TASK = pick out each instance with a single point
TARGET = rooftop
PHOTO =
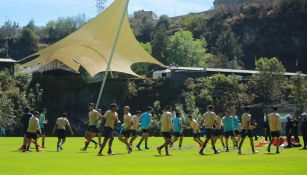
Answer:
(7, 60)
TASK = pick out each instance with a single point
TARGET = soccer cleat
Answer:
(61, 147)
(147, 148)
(240, 152)
(110, 152)
(99, 154)
(58, 150)
(44, 146)
(277, 152)
(38, 150)
(168, 154)
(129, 151)
(83, 149)
(201, 153)
(159, 150)
(180, 148)
(216, 152)
(255, 152)
(138, 147)
(268, 150)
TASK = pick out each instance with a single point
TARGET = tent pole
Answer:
(112, 52)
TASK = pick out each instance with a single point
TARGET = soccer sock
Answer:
(93, 141)
(180, 145)
(43, 143)
(86, 145)
(166, 149)
(145, 144)
(161, 146)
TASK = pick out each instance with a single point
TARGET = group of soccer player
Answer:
(34, 123)
(171, 127)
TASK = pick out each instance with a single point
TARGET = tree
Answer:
(27, 42)
(186, 51)
(227, 45)
(269, 80)
(142, 68)
(298, 94)
(12, 99)
(160, 39)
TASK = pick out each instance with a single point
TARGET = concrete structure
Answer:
(141, 14)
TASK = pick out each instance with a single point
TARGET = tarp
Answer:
(90, 46)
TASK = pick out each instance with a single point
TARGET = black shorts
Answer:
(209, 133)
(92, 128)
(167, 135)
(275, 133)
(237, 132)
(108, 132)
(218, 132)
(145, 131)
(245, 133)
(61, 133)
(228, 134)
(31, 135)
(196, 135)
(133, 133)
(126, 133)
(177, 134)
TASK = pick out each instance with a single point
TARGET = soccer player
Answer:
(227, 122)
(125, 130)
(304, 132)
(166, 125)
(275, 127)
(267, 132)
(110, 117)
(42, 122)
(93, 117)
(236, 128)
(25, 121)
(246, 130)
(33, 128)
(135, 126)
(209, 118)
(218, 128)
(177, 128)
(60, 125)
(196, 130)
(146, 119)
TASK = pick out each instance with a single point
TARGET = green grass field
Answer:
(71, 161)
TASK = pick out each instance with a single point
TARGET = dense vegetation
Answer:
(222, 37)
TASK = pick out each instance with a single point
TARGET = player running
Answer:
(110, 117)
(246, 130)
(135, 126)
(218, 129)
(166, 125)
(177, 126)
(60, 125)
(196, 130)
(33, 129)
(146, 119)
(227, 122)
(93, 117)
(209, 118)
(25, 121)
(275, 127)
(125, 128)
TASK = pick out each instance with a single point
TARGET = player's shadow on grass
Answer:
(270, 154)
